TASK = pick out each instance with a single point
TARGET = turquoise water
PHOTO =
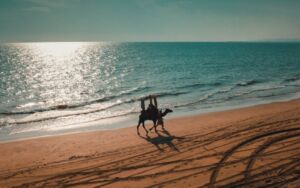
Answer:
(52, 88)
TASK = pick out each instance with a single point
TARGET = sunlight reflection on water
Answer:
(59, 73)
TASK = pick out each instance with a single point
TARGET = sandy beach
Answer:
(83, 82)
(256, 146)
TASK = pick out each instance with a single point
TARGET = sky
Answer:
(149, 20)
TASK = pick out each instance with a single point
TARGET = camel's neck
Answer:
(164, 113)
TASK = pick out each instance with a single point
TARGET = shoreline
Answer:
(189, 150)
(129, 122)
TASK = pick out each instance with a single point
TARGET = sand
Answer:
(256, 146)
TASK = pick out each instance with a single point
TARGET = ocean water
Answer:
(54, 88)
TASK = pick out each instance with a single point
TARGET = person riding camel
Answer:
(151, 107)
(151, 113)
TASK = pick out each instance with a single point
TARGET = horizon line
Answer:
(163, 41)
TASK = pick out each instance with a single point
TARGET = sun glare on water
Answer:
(58, 49)
(56, 71)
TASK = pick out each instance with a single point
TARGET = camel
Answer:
(153, 115)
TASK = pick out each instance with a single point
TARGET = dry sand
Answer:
(250, 147)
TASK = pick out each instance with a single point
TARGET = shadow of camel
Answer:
(163, 138)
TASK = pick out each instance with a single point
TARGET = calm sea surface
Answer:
(53, 88)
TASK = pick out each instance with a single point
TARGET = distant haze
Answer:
(149, 20)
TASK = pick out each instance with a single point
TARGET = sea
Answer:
(66, 87)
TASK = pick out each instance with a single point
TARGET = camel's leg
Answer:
(145, 127)
(137, 128)
(154, 125)
(159, 122)
(162, 123)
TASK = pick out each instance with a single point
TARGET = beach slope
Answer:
(256, 146)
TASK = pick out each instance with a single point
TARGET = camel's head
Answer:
(168, 110)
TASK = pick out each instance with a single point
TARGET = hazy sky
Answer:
(149, 20)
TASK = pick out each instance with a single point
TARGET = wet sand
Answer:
(256, 146)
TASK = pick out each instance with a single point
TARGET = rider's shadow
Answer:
(163, 138)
